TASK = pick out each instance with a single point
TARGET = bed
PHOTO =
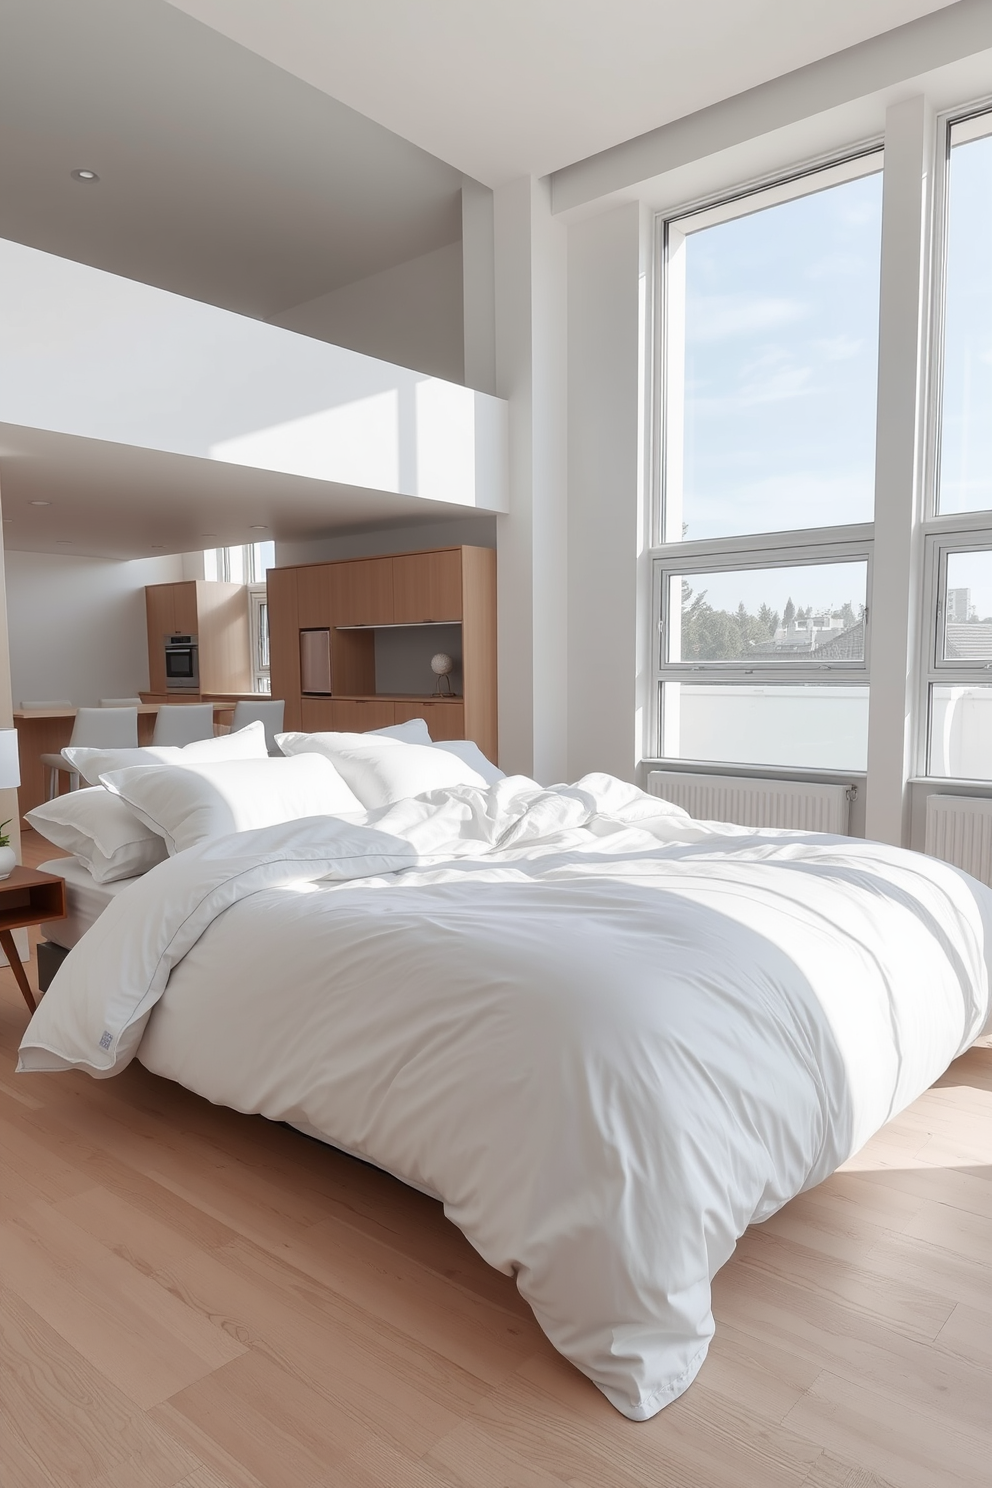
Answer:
(607, 1037)
(85, 900)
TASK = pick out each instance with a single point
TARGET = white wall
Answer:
(479, 532)
(77, 625)
(87, 353)
(605, 537)
(530, 256)
(410, 314)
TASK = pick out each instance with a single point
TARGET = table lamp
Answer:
(10, 779)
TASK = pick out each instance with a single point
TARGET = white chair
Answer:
(56, 703)
(120, 702)
(183, 723)
(98, 728)
(268, 711)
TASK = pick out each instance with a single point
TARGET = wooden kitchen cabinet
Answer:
(284, 643)
(217, 614)
(427, 587)
(351, 598)
(362, 591)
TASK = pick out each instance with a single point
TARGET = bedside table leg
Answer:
(10, 951)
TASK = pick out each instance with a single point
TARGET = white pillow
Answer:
(382, 770)
(247, 743)
(414, 731)
(470, 754)
(101, 830)
(187, 804)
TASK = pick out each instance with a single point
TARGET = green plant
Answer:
(5, 836)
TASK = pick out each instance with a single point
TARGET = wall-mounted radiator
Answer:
(755, 803)
(959, 830)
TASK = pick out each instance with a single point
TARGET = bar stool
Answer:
(98, 728)
(268, 711)
(183, 723)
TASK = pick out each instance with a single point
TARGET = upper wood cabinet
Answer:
(188, 602)
(427, 587)
(362, 591)
(313, 589)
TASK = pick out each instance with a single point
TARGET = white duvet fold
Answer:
(608, 1037)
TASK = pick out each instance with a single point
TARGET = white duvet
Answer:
(607, 1037)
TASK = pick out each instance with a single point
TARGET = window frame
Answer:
(257, 601)
(793, 547)
(948, 532)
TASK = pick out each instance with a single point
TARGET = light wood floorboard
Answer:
(190, 1298)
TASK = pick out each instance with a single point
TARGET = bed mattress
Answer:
(85, 900)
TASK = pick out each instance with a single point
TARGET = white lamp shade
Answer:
(10, 767)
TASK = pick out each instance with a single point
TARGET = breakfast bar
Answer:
(47, 730)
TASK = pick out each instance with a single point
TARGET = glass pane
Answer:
(968, 607)
(236, 565)
(263, 636)
(961, 732)
(818, 726)
(781, 351)
(766, 616)
(966, 425)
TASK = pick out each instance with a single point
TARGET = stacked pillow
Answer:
(145, 804)
(382, 769)
(101, 831)
(247, 743)
(187, 804)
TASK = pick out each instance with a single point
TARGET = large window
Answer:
(762, 570)
(247, 564)
(959, 630)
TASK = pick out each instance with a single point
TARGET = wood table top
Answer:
(145, 708)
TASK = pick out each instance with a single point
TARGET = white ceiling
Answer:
(222, 177)
(503, 88)
(117, 501)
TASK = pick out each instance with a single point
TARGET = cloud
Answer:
(718, 317)
(840, 348)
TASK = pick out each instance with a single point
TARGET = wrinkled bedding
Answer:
(607, 1037)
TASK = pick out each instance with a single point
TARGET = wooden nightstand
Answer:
(27, 897)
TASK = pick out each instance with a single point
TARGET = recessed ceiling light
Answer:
(208, 534)
(157, 545)
(259, 527)
(39, 503)
(84, 175)
(65, 542)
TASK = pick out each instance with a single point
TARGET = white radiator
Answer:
(959, 830)
(755, 803)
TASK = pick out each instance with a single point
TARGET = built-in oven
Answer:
(182, 664)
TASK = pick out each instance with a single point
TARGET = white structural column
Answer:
(8, 798)
(607, 276)
(478, 287)
(899, 466)
(530, 309)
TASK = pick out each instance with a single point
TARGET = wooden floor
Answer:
(189, 1296)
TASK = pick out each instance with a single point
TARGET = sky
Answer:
(966, 431)
(781, 349)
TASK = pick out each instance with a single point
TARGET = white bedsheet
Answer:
(85, 900)
(608, 1037)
